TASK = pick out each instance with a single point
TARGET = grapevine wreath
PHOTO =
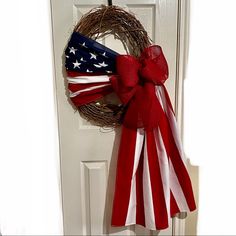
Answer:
(96, 24)
(152, 182)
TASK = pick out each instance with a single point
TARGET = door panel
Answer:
(88, 153)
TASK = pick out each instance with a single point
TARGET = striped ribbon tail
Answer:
(152, 182)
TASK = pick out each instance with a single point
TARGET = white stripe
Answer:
(164, 169)
(169, 178)
(87, 89)
(88, 79)
(159, 97)
(172, 121)
(147, 193)
(131, 214)
(177, 190)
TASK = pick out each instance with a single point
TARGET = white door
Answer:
(88, 154)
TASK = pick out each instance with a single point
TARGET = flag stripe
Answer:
(174, 209)
(88, 79)
(172, 120)
(140, 218)
(177, 161)
(131, 215)
(169, 178)
(78, 87)
(177, 190)
(91, 96)
(161, 215)
(147, 193)
(124, 174)
(164, 168)
(74, 94)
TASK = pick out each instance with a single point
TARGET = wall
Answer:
(29, 162)
(210, 112)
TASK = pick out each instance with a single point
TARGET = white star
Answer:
(98, 66)
(104, 54)
(108, 71)
(67, 56)
(82, 59)
(83, 45)
(93, 56)
(76, 64)
(103, 64)
(72, 50)
(90, 71)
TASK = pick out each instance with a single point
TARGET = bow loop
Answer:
(154, 65)
(135, 85)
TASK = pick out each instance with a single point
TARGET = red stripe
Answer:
(159, 204)
(91, 96)
(75, 74)
(125, 165)
(140, 217)
(168, 99)
(174, 209)
(77, 87)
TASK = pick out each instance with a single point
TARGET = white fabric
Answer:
(131, 215)
(159, 96)
(88, 79)
(147, 193)
(164, 169)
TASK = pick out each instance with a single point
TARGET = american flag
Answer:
(89, 66)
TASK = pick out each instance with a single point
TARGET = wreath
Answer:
(97, 24)
(152, 183)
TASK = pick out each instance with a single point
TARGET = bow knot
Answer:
(135, 86)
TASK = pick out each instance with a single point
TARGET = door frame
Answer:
(183, 19)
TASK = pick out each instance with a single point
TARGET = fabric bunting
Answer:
(152, 182)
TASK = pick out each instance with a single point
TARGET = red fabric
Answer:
(140, 218)
(161, 217)
(90, 96)
(169, 190)
(78, 87)
(135, 86)
(124, 172)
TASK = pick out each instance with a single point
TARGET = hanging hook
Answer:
(109, 2)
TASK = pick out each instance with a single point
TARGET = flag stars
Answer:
(83, 45)
(93, 56)
(103, 64)
(104, 54)
(76, 64)
(67, 56)
(98, 66)
(82, 59)
(72, 50)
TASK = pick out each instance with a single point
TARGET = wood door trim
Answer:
(181, 62)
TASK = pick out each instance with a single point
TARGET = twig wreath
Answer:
(96, 24)
(152, 182)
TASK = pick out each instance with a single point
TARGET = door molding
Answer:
(181, 62)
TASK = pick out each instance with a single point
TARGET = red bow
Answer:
(135, 86)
